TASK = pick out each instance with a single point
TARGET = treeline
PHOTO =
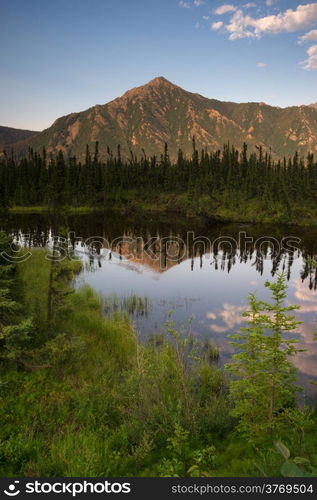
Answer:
(225, 176)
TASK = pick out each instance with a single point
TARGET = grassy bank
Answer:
(82, 396)
(46, 209)
(179, 206)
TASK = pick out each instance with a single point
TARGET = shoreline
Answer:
(224, 216)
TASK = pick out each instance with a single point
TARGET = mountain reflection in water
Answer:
(207, 283)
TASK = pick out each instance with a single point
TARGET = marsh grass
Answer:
(133, 305)
(107, 405)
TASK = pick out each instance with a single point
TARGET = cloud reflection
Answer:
(231, 316)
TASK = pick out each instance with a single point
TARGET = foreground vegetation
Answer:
(226, 185)
(81, 396)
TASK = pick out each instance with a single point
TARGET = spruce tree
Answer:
(263, 388)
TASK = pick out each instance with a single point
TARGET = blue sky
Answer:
(67, 55)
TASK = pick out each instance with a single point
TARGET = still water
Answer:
(192, 271)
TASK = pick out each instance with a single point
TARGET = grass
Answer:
(238, 210)
(97, 402)
(104, 404)
(131, 304)
(45, 209)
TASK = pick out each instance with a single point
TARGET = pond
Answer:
(188, 271)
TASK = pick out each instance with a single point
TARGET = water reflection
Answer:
(205, 282)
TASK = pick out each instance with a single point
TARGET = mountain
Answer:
(148, 116)
(9, 136)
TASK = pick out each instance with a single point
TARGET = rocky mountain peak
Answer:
(159, 112)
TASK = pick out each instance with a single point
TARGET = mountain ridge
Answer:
(144, 118)
(11, 135)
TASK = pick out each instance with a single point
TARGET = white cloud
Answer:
(238, 26)
(186, 4)
(308, 37)
(218, 328)
(242, 26)
(197, 25)
(300, 18)
(217, 25)
(311, 62)
(183, 4)
(206, 18)
(303, 293)
(211, 315)
(231, 316)
(224, 9)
